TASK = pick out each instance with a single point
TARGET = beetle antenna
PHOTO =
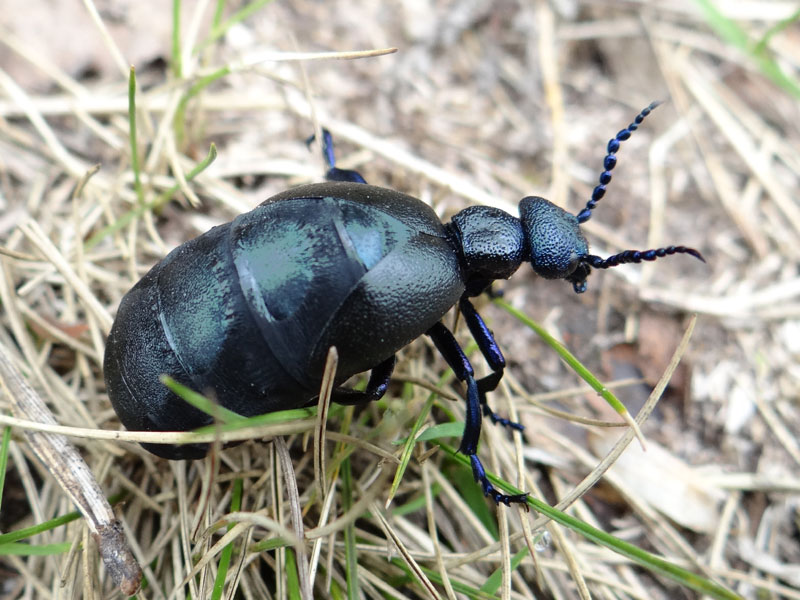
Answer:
(610, 161)
(637, 256)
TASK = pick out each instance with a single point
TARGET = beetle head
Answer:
(557, 248)
(555, 241)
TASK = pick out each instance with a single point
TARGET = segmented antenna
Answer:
(610, 161)
(637, 256)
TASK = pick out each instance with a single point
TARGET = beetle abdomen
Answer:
(188, 318)
(246, 312)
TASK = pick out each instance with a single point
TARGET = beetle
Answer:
(248, 310)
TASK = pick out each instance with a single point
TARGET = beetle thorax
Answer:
(490, 242)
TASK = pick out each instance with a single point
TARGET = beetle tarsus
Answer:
(479, 473)
(498, 420)
(488, 384)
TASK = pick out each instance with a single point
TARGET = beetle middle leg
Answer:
(494, 357)
(447, 345)
(376, 386)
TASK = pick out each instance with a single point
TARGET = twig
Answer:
(73, 475)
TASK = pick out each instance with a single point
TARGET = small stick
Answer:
(72, 473)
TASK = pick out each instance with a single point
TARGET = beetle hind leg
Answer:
(334, 173)
(455, 357)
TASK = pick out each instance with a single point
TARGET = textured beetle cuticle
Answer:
(248, 310)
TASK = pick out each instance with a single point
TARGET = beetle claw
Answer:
(488, 488)
(498, 420)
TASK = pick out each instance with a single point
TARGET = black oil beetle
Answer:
(247, 311)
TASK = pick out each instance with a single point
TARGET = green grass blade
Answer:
(197, 87)
(20, 549)
(443, 430)
(410, 441)
(177, 60)
(473, 497)
(283, 416)
(226, 420)
(200, 402)
(408, 448)
(350, 552)
(218, 14)
(641, 557)
(23, 534)
(495, 580)
(779, 27)
(292, 580)
(415, 503)
(4, 444)
(270, 544)
(734, 35)
(221, 28)
(139, 210)
(436, 577)
(137, 181)
(567, 357)
(227, 551)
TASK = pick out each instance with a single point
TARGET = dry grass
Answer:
(483, 103)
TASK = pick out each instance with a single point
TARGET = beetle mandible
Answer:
(248, 310)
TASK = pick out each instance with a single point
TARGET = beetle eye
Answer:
(574, 261)
(572, 265)
(551, 264)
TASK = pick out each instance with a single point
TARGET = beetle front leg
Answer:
(494, 357)
(448, 347)
(376, 386)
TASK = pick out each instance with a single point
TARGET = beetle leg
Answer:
(376, 387)
(334, 173)
(337, 174)
(491, 352)
(448, 347)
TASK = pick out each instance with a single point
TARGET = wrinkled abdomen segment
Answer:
(187, 318)
(137, 353)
